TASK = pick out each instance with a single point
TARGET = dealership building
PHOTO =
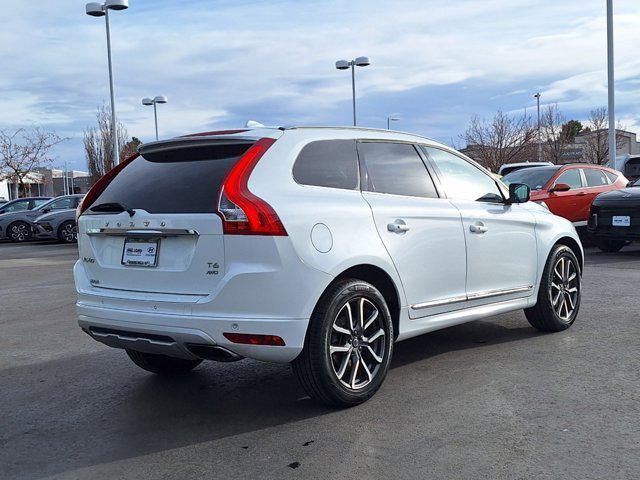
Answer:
(48, 182)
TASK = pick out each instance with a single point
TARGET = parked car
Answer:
(512, 167)
(18, 226)
(568, 190)
(20, 204)
(60, 224)
(316, 246)
(615, 218)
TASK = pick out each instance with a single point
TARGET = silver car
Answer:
(18, 226)
(60, 224)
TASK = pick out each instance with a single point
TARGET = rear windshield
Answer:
(181, 180)
(535, 177)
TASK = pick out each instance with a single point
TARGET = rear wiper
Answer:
(112, 207)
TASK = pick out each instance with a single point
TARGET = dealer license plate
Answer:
(138, 252)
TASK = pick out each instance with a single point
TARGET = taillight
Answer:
(98, 187)
(242, 212)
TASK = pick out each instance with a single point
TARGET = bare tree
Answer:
(595, 144)
(503, 139)
(98, 145)
(556, 136)
(22, 151)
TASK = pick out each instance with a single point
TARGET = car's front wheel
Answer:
(19, 232)
(68, 232)
(559, 294)
(348, 346)
(162, 364)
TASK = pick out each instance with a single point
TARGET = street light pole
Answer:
(154, 101)
(353, 91)
(610, 87)
(352, 64)
(537, 97)
(391, 118)
(114, 130)
(96, 9)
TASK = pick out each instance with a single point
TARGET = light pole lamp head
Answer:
(95, 9)
(160, 99)
(362, 61)
(342, 65)
(393, 118)
(117, 4)
(147, 101)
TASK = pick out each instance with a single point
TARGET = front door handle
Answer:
(399, 226)
(478, 227)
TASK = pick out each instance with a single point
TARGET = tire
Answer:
(162, 364)
(329, 377)
(560, 290)
(68, 232)
(609, 246)
(19, 232)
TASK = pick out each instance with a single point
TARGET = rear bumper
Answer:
(173, 334)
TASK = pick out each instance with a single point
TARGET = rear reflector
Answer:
(253, 339)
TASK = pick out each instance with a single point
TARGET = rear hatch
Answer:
(154, 228)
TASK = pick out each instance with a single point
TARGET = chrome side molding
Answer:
(473, 296)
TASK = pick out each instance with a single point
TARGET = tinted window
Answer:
(328, 163)
(61, 203)
(17, 206)
(464, 180)
(595, 177)
(39, 201)
(571, 178)
(535, 177)
(396, 168)
(180, 180)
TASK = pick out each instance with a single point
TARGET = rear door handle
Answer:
(478, 227)
(399, 226)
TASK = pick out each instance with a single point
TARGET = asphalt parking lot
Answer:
(491, 399)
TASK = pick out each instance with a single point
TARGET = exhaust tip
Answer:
(213, 352)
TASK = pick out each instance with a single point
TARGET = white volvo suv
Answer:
(316, 246)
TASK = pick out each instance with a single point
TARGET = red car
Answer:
(568, 190)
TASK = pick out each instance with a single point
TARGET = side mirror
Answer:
(46, 210)
(560, 187)
(519, 193)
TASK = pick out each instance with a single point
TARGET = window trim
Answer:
(358, 172)
(424, 147)
(364, 174)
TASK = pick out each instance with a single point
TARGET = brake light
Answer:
(98, 187)
(254, 339)
(242, 212)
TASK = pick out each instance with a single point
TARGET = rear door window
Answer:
(17, 206)
(396, 168)
(176, 180)
(328, 163)
(595, 177)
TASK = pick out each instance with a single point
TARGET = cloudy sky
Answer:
(221, 63)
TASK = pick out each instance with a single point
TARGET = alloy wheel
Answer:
(565, 287)
(357, 343)
(70, 233)
(19, 232)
